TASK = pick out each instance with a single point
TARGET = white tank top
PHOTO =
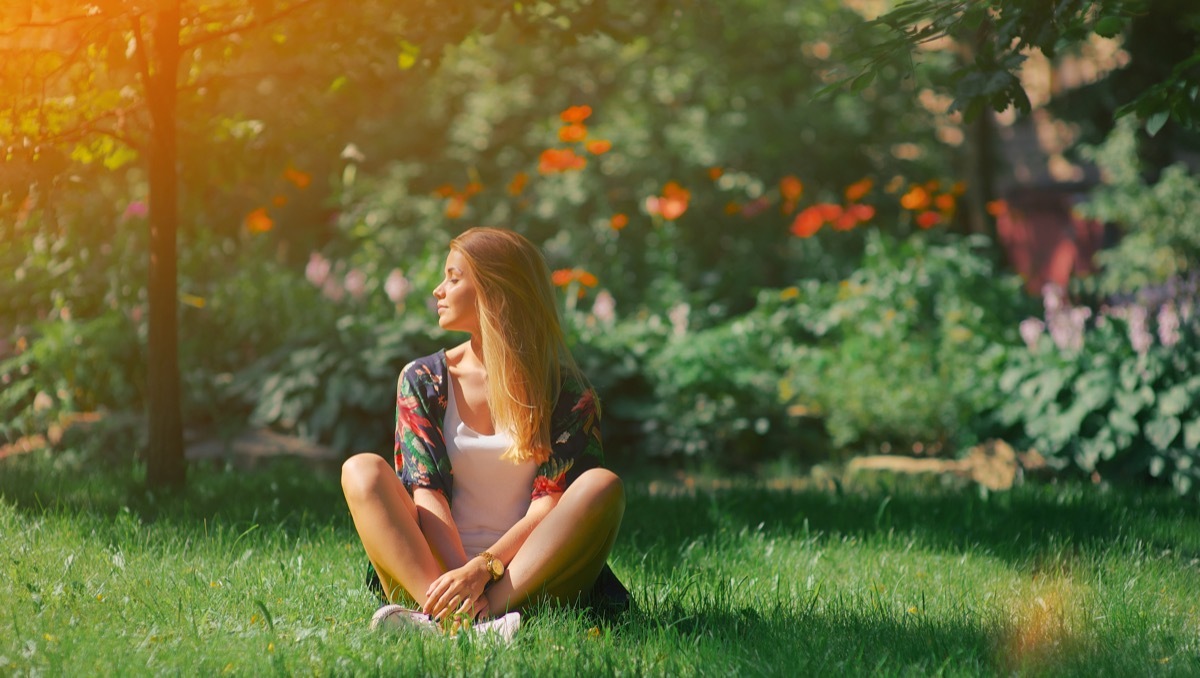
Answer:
(490, 494)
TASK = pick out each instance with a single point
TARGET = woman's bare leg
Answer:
(566, 551)
(386, 520)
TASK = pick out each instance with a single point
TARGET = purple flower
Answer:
(1139, 336)
(1168, 325)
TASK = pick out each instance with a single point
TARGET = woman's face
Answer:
(455, 296)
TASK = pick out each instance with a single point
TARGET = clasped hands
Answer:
(459, 591)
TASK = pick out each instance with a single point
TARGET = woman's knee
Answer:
(603, 488)
(363, 473)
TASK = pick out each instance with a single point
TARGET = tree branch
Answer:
(217, 35)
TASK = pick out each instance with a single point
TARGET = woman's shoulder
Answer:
(426, 370)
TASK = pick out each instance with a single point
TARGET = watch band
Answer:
(490, 562)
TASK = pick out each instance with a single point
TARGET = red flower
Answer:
(928, 219)
(807, 223)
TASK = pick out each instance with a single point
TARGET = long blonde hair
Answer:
(523, 345)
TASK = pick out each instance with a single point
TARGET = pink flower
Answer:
(604, 308)
(1168, 325)
(136, 210)
(356, 284)
(396, 286)
(317, 270)
(1031, 330)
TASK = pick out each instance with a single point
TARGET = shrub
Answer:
(1118, 395)
(906, 349)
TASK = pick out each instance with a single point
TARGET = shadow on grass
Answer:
(285, 494)
(1020, 526)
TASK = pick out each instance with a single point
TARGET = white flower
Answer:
(678, 315)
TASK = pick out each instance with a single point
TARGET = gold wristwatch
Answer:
(494, 567)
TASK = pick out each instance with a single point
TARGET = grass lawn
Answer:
(260, 572)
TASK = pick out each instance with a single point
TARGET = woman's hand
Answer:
(459, 590)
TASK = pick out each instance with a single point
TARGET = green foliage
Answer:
(1161, 240)
(337, 387)
(72, 366)
(905, 350)
(1105, 407)
(996, 35)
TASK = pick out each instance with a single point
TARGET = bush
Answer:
(1118, 395)
(906, 350)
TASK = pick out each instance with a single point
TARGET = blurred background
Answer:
(759, 272)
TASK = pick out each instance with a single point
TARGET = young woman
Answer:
(497, 498)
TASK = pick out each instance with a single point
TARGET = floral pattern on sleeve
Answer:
(420, 452)
(575, 443)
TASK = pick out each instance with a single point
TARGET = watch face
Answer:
(497, 568)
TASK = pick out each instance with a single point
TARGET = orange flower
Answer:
(562, 277)
(732, 208)
(673, 202)
(933, 185)
(572, 133)
(472, 188)
(300, 179)
(859, 189)
(945, 203)
(997, 208)
(599, 146)
(554, 160)
(586, 279)
(845, 221)
(259, 221)
(808, 222)
(576, 114)
(279, 200)
(790, 188)
(618, 221)
(456, 207)
(518, 183)
(928, 220)
(444, 191)
(958, 188)
(916, 199)
(787, 207)
(715, 173)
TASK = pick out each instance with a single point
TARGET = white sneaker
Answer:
(500, 628)
(400, 617)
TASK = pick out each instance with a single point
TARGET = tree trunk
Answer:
(165, 464)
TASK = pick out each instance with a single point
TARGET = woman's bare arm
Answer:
(437, 524)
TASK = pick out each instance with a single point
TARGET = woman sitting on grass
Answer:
(497, 499)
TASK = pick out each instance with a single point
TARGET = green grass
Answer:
(255, 573)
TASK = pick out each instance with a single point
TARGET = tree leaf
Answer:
(1109, 27)
(862, 81)
(1156, 121)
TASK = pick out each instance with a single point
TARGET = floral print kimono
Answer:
(421, 459)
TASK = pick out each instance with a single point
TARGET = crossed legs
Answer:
(558, 561)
